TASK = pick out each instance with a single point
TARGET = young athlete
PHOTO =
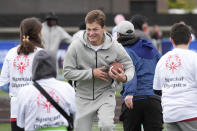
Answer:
(175, 76)
(17, 67)
(35, 112)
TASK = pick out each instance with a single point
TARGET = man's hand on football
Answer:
(100, 74)
(118, 76)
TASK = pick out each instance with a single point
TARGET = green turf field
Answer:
(6, 127)
(3, 94)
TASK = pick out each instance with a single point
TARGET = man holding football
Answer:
(87, 61)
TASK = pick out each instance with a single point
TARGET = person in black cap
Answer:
(51, 19)
(35, 112)
(53, 34)
(140, 23)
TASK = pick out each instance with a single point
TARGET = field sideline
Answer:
(118, 127)
(6, 127)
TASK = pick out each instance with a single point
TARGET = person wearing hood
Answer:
(141, 104)
(86, 62)
(35, 112)
(140, 23)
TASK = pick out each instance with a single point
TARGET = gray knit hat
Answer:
(44, 65)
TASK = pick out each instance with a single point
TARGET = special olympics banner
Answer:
(5, 46)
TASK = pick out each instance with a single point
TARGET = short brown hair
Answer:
(95, 16)
(180, 33)
(29, 35)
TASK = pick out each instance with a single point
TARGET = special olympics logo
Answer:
(173, 62)
(42, 101)
(21, 62)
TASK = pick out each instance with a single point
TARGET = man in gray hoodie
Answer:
(87, 61)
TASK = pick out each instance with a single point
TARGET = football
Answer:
(115, 66)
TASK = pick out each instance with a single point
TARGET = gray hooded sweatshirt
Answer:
(81, 59)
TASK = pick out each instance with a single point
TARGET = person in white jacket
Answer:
(35, 112)
(53, 34)
(17, 67)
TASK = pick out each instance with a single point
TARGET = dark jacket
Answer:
(145, 57)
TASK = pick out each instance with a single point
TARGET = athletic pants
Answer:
(182, 126)
(103, 107)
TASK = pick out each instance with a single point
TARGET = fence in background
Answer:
(5, 45)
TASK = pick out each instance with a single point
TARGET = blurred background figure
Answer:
(53, 34)
(192, 31)
(156, 36)
(156, 32)
(82, 28)
(140, 23)
(193, 34)
(117, 19)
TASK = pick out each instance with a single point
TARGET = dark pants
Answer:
(15, 127)
(147, 112)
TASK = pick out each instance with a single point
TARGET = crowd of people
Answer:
(156, 89)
